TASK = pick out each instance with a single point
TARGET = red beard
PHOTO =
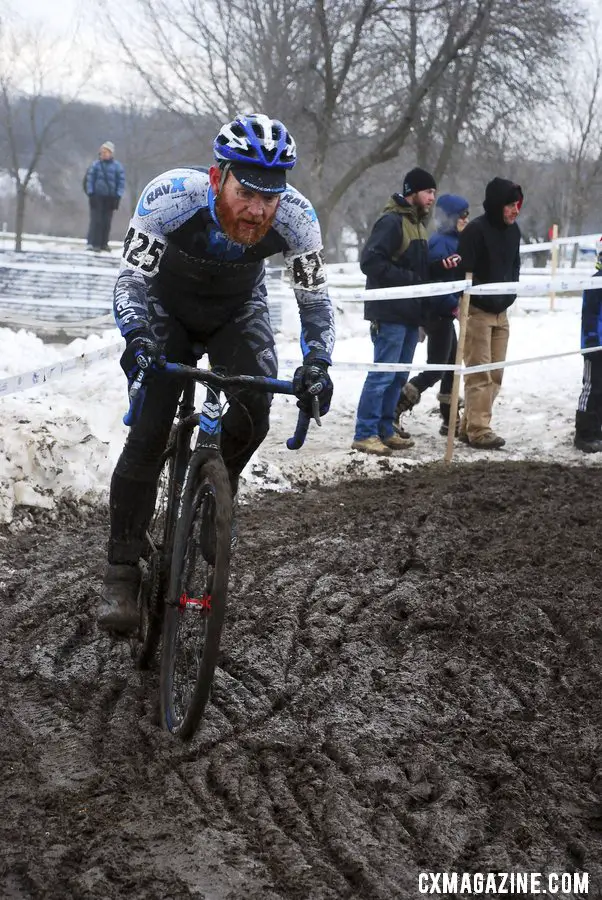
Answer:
(242, 232)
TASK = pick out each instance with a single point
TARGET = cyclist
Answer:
(193, 273)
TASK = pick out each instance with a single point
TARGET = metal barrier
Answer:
(71, 293)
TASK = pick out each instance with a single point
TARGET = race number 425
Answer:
(142, 251)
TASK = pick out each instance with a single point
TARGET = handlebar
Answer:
(259, 382)
(136, 399)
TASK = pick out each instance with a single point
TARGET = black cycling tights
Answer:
(243, 346)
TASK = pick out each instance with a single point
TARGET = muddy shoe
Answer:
(396, 442)
(444, 430)
(119, 613)
(372, 445)
(401, 431)
(489, 441)
(408, 398)
(588, 446)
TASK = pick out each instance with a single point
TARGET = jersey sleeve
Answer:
(298, 224)
(165, 204)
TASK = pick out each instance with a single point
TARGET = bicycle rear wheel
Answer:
(196, 607)
(153, 583)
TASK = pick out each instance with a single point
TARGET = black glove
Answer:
(116, 202)
(142, 354)
(312, 380)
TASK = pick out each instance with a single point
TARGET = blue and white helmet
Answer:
(255, 140)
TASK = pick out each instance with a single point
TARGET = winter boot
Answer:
(591, 446)
(401, 431)
(408, 398)
(444, 409)
(396, 442)
(588, 433)
(488, 441)
(372, 445)
(119, 612)
(444, 429)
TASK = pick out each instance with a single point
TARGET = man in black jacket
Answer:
(489, 247)
(396, 254)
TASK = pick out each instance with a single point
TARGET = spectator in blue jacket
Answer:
(104, 185)
(588, 420)
(451, 216)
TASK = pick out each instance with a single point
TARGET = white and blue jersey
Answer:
(175, 254)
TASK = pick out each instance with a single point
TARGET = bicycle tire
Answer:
(153, 583)
(196, 604)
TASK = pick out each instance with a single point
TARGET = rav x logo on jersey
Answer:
(175, 186)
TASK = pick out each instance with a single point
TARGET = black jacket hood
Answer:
(498, 193)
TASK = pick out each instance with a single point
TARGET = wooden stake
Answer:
(453, 408)
(554, 262)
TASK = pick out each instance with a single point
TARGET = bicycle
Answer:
(186, 561)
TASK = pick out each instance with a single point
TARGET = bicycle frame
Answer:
(208, 421)
(196, 474)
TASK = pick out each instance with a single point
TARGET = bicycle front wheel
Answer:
(196, 607)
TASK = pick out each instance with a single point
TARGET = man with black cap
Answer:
(489, 247)
(396, 254)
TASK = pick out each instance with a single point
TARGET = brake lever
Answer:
(134, 398)
(315, 410)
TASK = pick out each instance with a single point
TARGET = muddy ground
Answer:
(411, 680)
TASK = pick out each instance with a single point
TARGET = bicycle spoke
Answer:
(195, 615)
(153, 576)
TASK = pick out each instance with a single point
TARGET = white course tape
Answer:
(522, 289)
(15, 383)
(446, 367)
(412, 290)
(579, 239)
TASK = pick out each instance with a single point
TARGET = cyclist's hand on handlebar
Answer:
(142, 354)
(312, 380)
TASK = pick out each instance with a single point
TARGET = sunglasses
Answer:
(464, 215)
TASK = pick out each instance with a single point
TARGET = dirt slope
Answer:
(411, 680)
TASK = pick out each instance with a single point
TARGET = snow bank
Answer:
(63, 438)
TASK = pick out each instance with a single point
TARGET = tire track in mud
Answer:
(410, 680)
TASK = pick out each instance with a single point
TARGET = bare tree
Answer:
(32, 72)
(357, 80)
(580, 109)
(149, 135)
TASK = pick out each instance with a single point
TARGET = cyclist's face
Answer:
(245, 215)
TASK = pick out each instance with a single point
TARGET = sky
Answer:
(60, 17)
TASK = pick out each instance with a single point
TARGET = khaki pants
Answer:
(486, 342)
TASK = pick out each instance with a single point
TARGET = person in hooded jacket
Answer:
(489, 248)
(451, 217)
(395, 254)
